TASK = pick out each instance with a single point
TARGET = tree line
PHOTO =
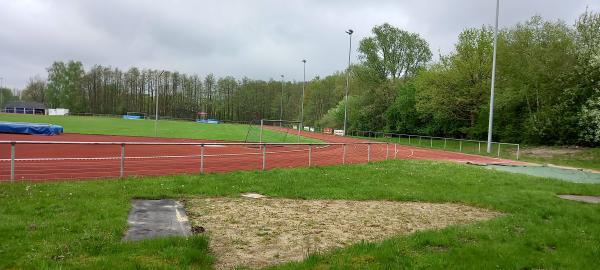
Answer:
(547, 88)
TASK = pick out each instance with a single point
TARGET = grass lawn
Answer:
(72, 225)
(166, 128)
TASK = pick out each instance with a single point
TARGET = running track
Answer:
(72, 161)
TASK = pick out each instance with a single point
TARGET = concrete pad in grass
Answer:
(156, 218)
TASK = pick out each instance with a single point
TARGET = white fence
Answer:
(428, 141)
(47, 160)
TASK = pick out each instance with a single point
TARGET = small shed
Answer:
(24, 107)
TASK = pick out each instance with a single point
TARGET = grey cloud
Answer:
(258, 39)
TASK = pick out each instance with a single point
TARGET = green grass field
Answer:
(73, 225)
(166, 128)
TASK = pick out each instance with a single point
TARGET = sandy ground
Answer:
(549, 152)
(261, 232)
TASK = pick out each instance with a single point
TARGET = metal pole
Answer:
(261, 131)
(309, 155)
(264, 156)
(349, 32)
(344, 154)
(430, 142)
(460, 145)
(202, 158)
(12, 161)
(498, 149)
(281, 103)
(303, 86)
(395, 151)
(445, 143)
(479, 147)
(408, 139)
(369, 152)
(156, 110)
(491, 118)
(518, 149)
(387, 150)
(122, 160)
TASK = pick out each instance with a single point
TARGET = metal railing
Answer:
(285, 154)
(420, 138)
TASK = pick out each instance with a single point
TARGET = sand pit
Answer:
(262, 232)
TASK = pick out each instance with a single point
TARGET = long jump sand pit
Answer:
(267, 231)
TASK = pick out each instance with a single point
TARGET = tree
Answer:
(393, 52)
(64, 87)
(35, 90)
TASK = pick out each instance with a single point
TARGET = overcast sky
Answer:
(257, 39)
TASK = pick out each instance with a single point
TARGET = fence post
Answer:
(420, 140)
(122, 160)
(395, 151)
(202, 158)
(498, 149)
(264, 156)
(518, 150)
(12, 161)
(344, 153)
(409, 139)
(261, 131)
(479, 143)
(387, 150)
(430, 142)
(445, 143)
(460, 145)
(368, 152)
(309, 155)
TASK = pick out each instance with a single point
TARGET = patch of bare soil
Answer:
(261, 232)
(550, 152)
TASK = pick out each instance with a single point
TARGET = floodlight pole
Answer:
(302, 106)
(281, 103)
(156, 111)
(491, 120)
(349, 32)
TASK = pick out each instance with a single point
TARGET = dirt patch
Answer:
(261, 232)
(550, 152)
(581, 198)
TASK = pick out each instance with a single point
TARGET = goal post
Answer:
(282, 131)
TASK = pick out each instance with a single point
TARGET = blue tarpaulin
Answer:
(133, 117)
(30, 128)
(208, 121)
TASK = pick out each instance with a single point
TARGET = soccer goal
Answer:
(280, 131)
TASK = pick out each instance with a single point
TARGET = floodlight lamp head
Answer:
(350, 31)
(303, 60)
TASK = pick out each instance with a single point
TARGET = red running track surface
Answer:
(41, 162)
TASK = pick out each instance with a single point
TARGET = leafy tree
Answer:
(393, 52)
(35, 90)
(454, 89)
(64, 87)
(589, 122)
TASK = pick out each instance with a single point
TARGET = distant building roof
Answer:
(24, 104)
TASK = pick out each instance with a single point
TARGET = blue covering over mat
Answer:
(133, 117)
(30, 128)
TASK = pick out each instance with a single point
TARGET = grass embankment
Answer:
(588, 158)
(72, 225)
(166, 128)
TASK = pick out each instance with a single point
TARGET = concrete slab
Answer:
(156, 218)
(581, 198)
